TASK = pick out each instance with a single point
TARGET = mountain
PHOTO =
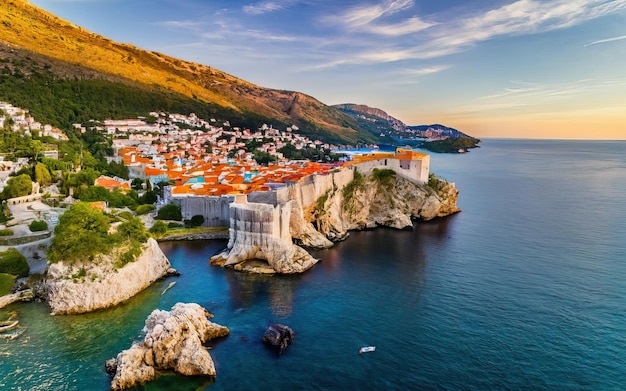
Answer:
(39, 49)
(379, 122)
(436, 132)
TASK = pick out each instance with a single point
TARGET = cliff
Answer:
(95, 284)
(322, 209)
(370, 202)
(173, 341)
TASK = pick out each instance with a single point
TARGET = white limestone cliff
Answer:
(95, 284)
(372, 204)
(173, 341)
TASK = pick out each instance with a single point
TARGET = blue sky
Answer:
(497, 68)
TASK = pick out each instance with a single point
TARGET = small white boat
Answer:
(367, 349)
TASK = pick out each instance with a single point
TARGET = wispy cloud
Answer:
(426, 70)
(181, 24)
(264, 7)
(434, 39)
(368, 19)
(607, 40)
(528, 94)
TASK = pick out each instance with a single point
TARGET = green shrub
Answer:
(195, 221)
(173, 225)
(13, 262)
(169, 212)
(6, 232)
(383, 176)
(6, 283)
(38, 225)
(435, 183)
(348, 191)
(145, 209)
(158, 229)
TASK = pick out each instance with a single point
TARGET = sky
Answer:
(490, 68)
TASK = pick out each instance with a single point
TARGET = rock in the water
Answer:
(279, 336)
(173, 341)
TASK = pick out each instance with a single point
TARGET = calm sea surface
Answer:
(523, 290)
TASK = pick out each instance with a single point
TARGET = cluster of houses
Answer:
(202, 158)
(22, 121)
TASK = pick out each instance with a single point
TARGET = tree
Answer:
(196, 220)
(17, 186)
(36, 146)
(136, 184)
(133, 229)
(13, 262)
(169, 212)
(80, 234)
(42, 175)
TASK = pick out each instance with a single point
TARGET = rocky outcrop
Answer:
(320, 211)
(370, 204)
(261, 232)
(173, 341)
(95, 284)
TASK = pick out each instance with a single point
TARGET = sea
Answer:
(525, 289)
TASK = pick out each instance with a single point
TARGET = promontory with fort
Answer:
(106, 148)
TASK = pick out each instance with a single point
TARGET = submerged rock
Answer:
(173, 341)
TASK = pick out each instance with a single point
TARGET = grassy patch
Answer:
(6, 283)
(383, 176)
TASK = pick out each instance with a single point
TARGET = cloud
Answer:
(181, 24)
(607, 40)
(268, 6)
(540, 93)
(454, 34)
(359, 16)
(426, 70)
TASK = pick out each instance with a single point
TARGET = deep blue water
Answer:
(524, 289)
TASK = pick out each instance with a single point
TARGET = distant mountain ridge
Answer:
(378, 121)
(26, 29)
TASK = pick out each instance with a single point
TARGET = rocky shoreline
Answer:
(263, 232)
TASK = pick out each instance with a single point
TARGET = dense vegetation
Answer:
(14, 263)
(83, 233)
(451, 145)
(356, 184)
(63, 102)
(6, 283)
(17, 186)
(169, 212)
(383, 176)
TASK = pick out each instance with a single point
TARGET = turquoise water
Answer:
(525, 289)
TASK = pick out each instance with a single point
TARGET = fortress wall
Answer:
(215, 210)
(414, 170)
